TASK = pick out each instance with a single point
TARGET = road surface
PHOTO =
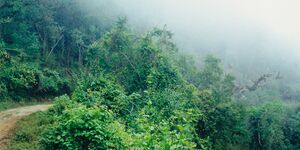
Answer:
(9, 118)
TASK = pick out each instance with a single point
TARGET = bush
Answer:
(266, 127)
(20, 80)
(176, 132)
(4, 57)
(3, 91)
(221, 123)
(163, 76)
(86, 128)
(51, 83)
(98, 91)
(61, 104)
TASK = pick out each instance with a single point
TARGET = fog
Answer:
(250, 36)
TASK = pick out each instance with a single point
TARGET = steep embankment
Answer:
(9, 118)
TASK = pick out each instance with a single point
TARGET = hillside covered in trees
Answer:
(114, 87)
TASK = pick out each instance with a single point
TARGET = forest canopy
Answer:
(113, 87)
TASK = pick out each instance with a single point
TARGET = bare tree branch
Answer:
(132, 65)
(256, 83)
(54, 46)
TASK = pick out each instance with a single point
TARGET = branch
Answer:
(256, 83)
(131, 64)
(54, 46)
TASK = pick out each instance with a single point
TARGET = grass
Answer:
(4, 105)
(28, 131)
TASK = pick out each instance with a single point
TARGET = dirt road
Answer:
(9, 118)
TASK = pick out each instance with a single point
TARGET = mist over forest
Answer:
(251, 37)
(152, 74)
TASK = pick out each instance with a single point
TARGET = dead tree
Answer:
(256, 83)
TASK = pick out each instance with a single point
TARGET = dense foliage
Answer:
(126, 90)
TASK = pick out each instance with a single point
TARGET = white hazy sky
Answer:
(262, 34)
(281, 18)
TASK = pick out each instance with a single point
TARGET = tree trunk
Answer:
(44, 45)
(79, 56)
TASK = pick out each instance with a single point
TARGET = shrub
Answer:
(98, 91)
(163, 76)
(86, 128)
(176, 132)
(3, 91)
(51, 83)
(24, 80)
(20, 80)
(61, 104)
(265, 126)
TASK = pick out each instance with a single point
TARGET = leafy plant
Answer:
(86, 128)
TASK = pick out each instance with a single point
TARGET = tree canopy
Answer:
(115, 88)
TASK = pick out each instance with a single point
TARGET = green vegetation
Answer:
(28, 130)
(119, 89)
(13, 104)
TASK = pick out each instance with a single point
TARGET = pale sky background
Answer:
(264, 33)
(253, 36)
(278, 17)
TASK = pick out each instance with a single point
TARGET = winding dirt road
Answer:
(9, 118)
